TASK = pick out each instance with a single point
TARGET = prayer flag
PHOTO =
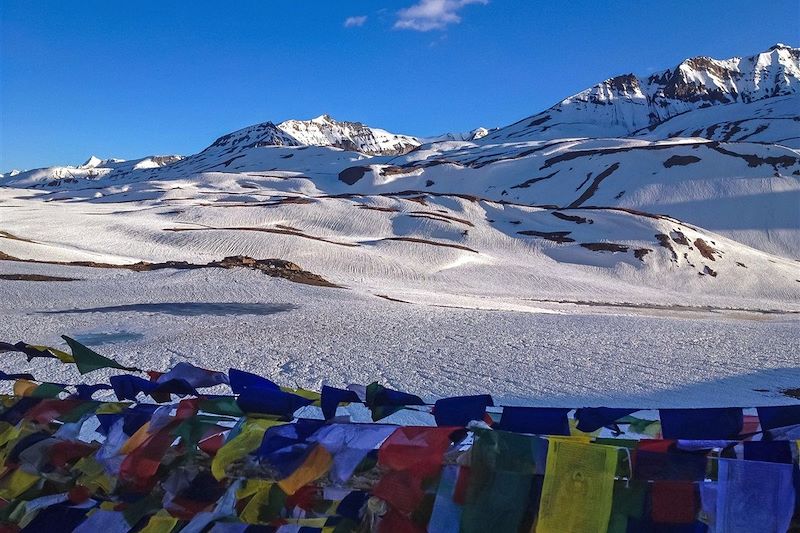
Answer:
(88, 360)
(460, 410)
(700, 424)
(536, 420)
(578, 487)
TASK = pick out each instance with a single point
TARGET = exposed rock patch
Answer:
(34, 277)
(705, 249)
(604, 247)
(664, 240)
(351, 175)
(277, 268)
(555, 236)
(572, 218)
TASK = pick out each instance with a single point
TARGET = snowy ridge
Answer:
(622, 105)
(353, 136)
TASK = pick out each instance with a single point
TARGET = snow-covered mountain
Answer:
(320, 131)
(353, 136)
(622, 105)
(681, 185)
(472, 135)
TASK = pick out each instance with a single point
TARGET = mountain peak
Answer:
(323, 119)
(92, 162)
(625, 104)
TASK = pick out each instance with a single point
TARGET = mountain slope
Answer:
(620, 106)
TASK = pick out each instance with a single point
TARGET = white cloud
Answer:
(352, 22)
(428, 15)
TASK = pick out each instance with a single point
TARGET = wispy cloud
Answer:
(352, 22)
(427, 15)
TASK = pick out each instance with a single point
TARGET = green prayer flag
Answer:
(88, 360)
(502, 468)
(47, 390)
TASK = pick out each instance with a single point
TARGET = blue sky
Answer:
(128, 79)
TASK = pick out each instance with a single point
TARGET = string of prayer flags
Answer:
(265, 458)
(349, 444)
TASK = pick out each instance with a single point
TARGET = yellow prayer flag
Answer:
(136, 440)
(23, 387)
(64, 357)
(315, 466)
(245, 442)
(578, 487)
(250, 487)
(577, 433)
(16, 483)
(160, 524)
(249, 514)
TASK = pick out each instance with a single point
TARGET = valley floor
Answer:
(546, 353)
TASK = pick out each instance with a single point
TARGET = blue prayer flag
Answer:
(537, 420)
(332, 397)
(699, 424)
(459, 410)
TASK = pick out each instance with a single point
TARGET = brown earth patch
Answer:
(604, 247)
(589, 192)
(528, 183)
(376, 208)
(680, 238)
(705, 249)
(681, 160)
(572, 218)
(418, 199)
(34, 277)
(639, 253)
(386, 297)
(351, 175)
(393, 170)
(792, 393)
(663, 240)
(433, 243)
(278, 268)
(429, 217)
(555, 236)
(7, 235)
(442, 215)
